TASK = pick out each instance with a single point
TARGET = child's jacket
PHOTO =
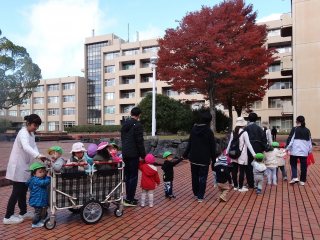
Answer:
(222, 172)
(38, 191)
(167, 168)
(150, 177)
(258, 167)
(280, 155)
(271, 160)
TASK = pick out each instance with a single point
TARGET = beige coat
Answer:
(24, 152)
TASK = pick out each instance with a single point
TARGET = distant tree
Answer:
(216, 49)
(171, 115)
(18, 74)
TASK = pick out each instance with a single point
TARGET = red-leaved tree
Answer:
(218, 51)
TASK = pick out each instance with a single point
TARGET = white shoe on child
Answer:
(243, 189)
(294, 180)
(235, 189)
(38, 225)
(301, 183)
(27, 215)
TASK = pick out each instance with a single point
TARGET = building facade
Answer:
(60, 102)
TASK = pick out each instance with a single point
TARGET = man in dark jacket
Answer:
(201, 152)
(132, 150)
(258, 141)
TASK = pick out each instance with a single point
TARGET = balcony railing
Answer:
(286, 25)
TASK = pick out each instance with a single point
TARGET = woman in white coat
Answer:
(242, 162)
(24, 152)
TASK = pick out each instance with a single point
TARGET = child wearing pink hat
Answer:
(149, 179)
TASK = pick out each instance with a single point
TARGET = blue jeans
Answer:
(168, 188)
(199, 180)
(131, 176)
(294, 169)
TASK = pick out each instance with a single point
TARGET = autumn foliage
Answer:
(218, 51)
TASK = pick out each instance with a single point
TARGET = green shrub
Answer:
(93, 128)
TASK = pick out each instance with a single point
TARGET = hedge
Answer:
(93, 128)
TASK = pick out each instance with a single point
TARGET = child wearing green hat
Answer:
(258, 171)
(38, 184)
(57, 161)
(167, 167)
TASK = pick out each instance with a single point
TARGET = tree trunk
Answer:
(230, 118)
(212, 106)
(239, 111)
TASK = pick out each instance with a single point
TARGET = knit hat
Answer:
(36, 165)
(259, 156)
(55, 149)
(150, 159)
(78, 147)
(275, 144)
(166, 154)
(92, 150)
(102, 145)
(282, 145)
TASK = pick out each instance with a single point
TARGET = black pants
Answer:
(19, 194)
(243, 170)
(131, 176)
(40, 213)
(199, 180)
(234, 173)
(303, 167)
(249, 171)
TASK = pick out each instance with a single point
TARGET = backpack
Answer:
(234, 150)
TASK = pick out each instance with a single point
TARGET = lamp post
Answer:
(153, 61)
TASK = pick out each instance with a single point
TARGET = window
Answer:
(283, 84)
(127, 94)
(53, 99)
(284, 49)
(53, 111)
(283, 124)
(126, 108)
(153, 49)
(69, 111)
(69, 98)
(68, 86)
(111, 55)
(67, 124)
(274, 68)
(53, 87)
(110, 109)
(110, 82)
(12, 113)
(39, 112)
(39, 88)
(130, 52)
(169, 92)
(109, 122)
(38, 100)
(109, 69)
(2, 113)
(256, 105)
(53, 126)
(145, 92)
(26, 101)
(24, 112)
(109, 96)
(278, 102)
(145, 64)
(128, 80)
(273, 32)
(146, 78)
(41, 127)
(128, 65)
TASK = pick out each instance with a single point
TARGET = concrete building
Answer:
(119, 76)
(60, 102)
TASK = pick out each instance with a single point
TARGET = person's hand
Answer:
(41, 157)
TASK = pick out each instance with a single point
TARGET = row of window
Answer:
(130, 52)
(273, 103)
(54, 126)
(54, 99)
(55, 87)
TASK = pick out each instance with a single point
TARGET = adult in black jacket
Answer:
(132, 150)
(201, 152)
(258, 141)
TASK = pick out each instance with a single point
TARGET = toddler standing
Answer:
(272, 164)
(149, 179)
(222, 176)
(281, 161)
(38, 184)
(258, 171)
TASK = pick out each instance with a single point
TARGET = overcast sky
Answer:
(53, 31)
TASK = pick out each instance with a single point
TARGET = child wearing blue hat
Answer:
(223, 176)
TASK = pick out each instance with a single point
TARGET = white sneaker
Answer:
(27, 215)
(38, 225)
(243, 189)
(294, 180)
(12, 220)
(301, 183)
(235, 189)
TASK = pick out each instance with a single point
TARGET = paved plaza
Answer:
(281, 212)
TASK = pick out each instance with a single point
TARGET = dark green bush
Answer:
(93, 128)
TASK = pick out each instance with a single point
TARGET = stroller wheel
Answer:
(50, 224)
(118, 212)
(91, 212)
